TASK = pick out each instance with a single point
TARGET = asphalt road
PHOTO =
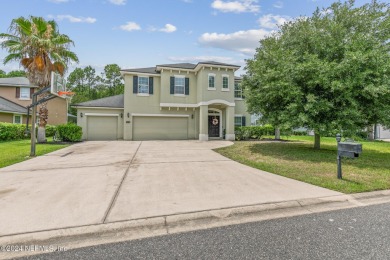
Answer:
(358, 233)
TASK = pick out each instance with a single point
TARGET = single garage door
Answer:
(102, 128)
(160, 128)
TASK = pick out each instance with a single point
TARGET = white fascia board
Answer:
(158, 68)
(203, 103)
(199, 67)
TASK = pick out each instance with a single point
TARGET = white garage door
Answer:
(160, 128)
(102, 128)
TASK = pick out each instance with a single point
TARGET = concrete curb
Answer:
(75, 237)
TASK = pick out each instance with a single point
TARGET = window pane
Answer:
(18, 120)
(179, 85)
(237, 90)
(24, 93)
(143, 85)
(237, 121)
(225, 82)
(211, 82)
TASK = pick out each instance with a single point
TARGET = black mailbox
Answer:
(349, 149)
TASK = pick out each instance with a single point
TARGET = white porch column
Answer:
(203, 123)
(230, 124)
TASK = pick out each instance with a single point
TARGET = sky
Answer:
(136, 34)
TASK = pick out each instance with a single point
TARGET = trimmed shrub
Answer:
(70, 132)
(10, 131)
(253, 132)
(50, 130)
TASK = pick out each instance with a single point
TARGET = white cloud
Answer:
(58, 1)
(130, 26)
(168, 28)
(117, 2)
(73, 19)
(244, 42)
(278, 4)
(238, 6)
(271, 21)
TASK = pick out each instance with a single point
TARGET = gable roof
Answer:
(114, 102)
(9, 106)
(15, 82)
(189, 66)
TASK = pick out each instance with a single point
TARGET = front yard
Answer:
(12, 152)
(296, 159)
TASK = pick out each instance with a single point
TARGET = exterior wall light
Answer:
(128, 115)
(81, 114)
(121, 115)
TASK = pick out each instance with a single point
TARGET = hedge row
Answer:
(253, 132)
(68, 132)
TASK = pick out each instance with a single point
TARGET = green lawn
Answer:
(297, 159)
(12, 152)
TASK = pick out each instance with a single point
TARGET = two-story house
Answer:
(169, 102)
(15, 96)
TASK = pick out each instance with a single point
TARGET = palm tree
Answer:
(41, 49)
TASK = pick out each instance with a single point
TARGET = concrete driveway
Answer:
(101, 182)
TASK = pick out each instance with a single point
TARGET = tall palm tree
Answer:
(41, 49)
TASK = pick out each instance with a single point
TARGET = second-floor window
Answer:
(238, 90)
(225, 82)
(24, 93)
(143, 85)
(179, 85)
(212, 81)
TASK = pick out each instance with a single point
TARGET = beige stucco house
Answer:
(169, 102)
(15, 96)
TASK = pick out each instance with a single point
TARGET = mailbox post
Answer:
(346, 149)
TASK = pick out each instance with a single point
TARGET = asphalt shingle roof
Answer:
(114, 101)
(150, 70)
(189, 66)
(9, 106)
(17, 81)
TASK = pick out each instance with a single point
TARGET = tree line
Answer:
(88, 85)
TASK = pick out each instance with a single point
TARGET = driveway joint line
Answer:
(112, 203)
(181, 162)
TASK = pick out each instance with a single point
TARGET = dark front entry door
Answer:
(214, 122)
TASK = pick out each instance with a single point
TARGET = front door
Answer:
(214, 123)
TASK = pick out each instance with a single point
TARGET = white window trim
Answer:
(24, 98)
(21, 119)
(225, 76)
(142, 94)
(208, 81)
(174, 86)
(242, 93)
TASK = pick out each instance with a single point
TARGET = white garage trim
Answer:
(161, 115)
(97, 114)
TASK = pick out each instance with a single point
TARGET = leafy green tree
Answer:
(38, 45)
(16, 73)
(328, 72)
(3, 74)
(112, 78)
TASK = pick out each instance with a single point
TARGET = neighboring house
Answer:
(382, 133)
(10, 112)
(169, 102)
(19, 91)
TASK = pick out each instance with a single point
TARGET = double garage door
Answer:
(102, 128)
(160, 128)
